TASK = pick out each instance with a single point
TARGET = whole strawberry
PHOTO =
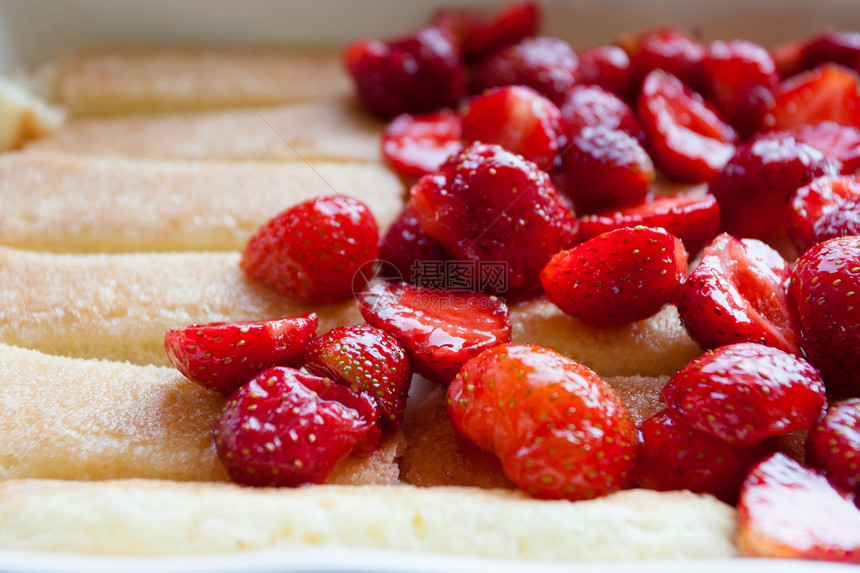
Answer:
(833, 444)
(311, 251)
(559, 430)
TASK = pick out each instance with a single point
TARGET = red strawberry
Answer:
(827, 93)
(517, 220)
(787, 511)
(311, 251)
(608, 67)
(440, 329)
(558, 428)
(619, 277)
(224, 355)
(687, 138)
(823, 289)
(826, 208)
(693, 219)
(590, 106)
(406, 246)
(788, 58)
(547, 65)
(837, 47)
(288, 428)
(674, 456)
(744, 393)
(737, 294)
(669, 49)
(833, 444)
(367, 359)
(419, 144)
(516, 21)
(519, 119)
(840, 142)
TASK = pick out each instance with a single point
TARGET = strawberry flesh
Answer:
(828, 207)
(827, 93)
(416, 145)
(833, 444)
(841, 142)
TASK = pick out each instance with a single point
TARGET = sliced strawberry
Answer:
(516, 21)
(440, 329)
(603, 168)
(224, 355)
(737, 294)
(289, 428)
(687, 138)
(311, 251)
(674, 456)
(519, 119)
(608, 67)
(517, 221)
(619, 277)
(406, 247)
(826, 208)
(840, 142)
(669, 49)
(827, 93)
(416, 145)
(590, 106)
(559, 430)
(367, 359)
(823, 289)
(787, 511)
(833, 444)
(837, 47)
(745, 393)
(693, 219)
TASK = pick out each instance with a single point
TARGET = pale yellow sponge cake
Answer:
(24, 116)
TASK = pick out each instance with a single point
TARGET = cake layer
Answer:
(325, 130)
(70, 203)
(78, 419)
(112, 80)
(168, 518)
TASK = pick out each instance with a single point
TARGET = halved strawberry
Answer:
(440, 329)
(367, 359)
(406, 247)
(826, 208)
(608, 67)
(619, 277)
(419, 144)
(693, 219)
(559, 430)
(841, 142)
(670, 49)
(289, 428)
(790, 512)
(833, 444)
(590, 106)
(222, 356)
(737, 294)
(514, 22)
(829, 92)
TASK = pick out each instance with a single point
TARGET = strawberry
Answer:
(737, 294)
(311, 251)
(494, 208)
(674, 456)
(827, 93)
(787, 511)
(837, 47)
(547, 65)
(367, 359)
(608, 67)
(516, 21)
(559, 430)
(619, 277)
(406, 246)
(590, 106)
(224, 355)
(745, 393)
(841, 142)
(289, 428)
(693, 219)
(823, 288)
(416, 145)
(440, 329)
(826, 208)
(686, 136)
(519, 119)
(833, 444)
(669, 49)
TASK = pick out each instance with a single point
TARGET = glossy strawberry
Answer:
(833, 444)
(406, 247)
(674, 456)
(514, 22)
(827, 93)
(619, 277)
(687, 138)
(737, 294)
(826, 208)
(832, 46)
(591, 106)
(224, 355)
(608, 67)
(289, 428)
(841, 142)
(519, 119)
(823, 289)
(559, 430)
(492, 207)
(440, 329)
(416, 145)
(787, 511)
(367, 359)
(670, 49)
(311, 251)
(693, 219)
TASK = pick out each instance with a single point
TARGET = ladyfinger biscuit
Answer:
(326, 130)
(69, 418)
(114, 80)
(70, 203)
(140, 517)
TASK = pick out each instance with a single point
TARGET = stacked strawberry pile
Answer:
(542, 162)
